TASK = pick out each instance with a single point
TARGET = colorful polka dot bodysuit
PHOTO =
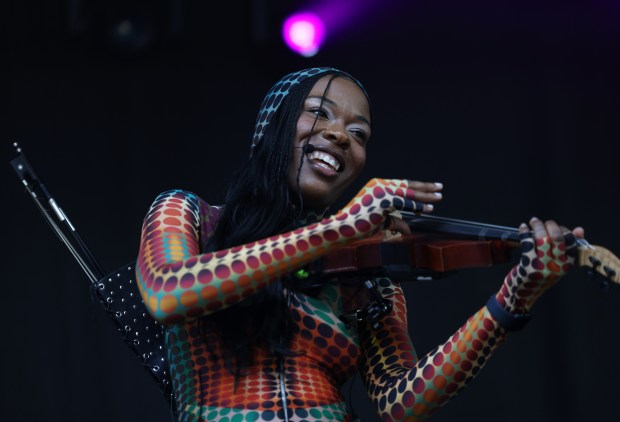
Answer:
(180, 284)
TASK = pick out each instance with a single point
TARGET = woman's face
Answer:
(339, 138)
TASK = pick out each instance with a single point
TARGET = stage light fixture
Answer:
(304, 32)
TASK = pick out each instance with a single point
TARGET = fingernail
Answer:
(439, 185)
(430, 207)
(533, 218)
(438, 194)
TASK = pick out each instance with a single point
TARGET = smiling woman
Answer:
(336, 159)
(250, 336)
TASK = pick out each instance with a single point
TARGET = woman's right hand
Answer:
(370, 209)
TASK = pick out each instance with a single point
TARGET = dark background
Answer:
(512, 105)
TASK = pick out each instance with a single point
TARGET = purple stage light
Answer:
(304, 33)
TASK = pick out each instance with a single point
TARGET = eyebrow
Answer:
(327, 100)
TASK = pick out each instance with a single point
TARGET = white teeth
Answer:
(326, 158)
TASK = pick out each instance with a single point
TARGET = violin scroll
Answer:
(600, 260)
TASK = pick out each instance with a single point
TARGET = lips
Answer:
(324, 159)
(327, 158)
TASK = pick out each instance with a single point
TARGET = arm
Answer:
(402, 386)
(178, 283)
(399, 384)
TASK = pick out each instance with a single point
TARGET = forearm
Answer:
(178, 282)
(418, 388)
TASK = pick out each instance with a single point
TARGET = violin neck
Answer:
(423, 223)
(597, 258)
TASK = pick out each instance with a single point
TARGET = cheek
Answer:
(304, 125)
(360, 161)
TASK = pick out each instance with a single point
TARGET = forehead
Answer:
(343, 91)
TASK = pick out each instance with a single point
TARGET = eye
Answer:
(360, 135)
(318, 111)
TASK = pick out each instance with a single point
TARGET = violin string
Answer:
(415, 216)
(411, 217)
(464, 227)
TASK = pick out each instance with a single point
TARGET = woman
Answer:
(249, 338)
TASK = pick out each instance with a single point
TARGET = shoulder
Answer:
(178, 195)
(182, 196)
(188, 200)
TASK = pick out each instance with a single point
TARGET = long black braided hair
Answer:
(259, 203)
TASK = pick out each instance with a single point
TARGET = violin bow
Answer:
(56, 217)
(117, 291)
(597, 258)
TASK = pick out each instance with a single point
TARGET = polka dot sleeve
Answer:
(179, 283)
(402, 387)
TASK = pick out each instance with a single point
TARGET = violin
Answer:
(439, 246)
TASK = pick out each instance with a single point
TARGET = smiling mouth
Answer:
(325, 160)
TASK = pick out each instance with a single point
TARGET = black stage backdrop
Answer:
(514, 107)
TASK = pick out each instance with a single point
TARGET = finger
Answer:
(524, 231)
(412, 206)
(554, 231)
(419, 191)
(424, 196)
(528, 251)
(424, 191)
(425, 186)
(538, 228)
(579, 232)
(398, 225)
(570, 241)
(569, 236)
(428, 208)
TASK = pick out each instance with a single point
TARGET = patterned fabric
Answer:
(542, 263)
(179, 284)
(281, 89)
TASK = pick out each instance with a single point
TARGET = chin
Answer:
(320, 194)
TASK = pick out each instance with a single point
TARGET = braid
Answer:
(259, 204)
(301, 156)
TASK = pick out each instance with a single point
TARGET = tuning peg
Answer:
(609, 271)
(594, 261)
(594, 273)
(604, 284)
(603, 281)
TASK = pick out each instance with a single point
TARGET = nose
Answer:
(336, 133)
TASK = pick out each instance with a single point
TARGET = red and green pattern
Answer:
(543, 262)
(405, 388)
(180, 284)
(177, 282)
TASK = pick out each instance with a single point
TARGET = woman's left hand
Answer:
(548, 251)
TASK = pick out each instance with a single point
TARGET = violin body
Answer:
(439, 246)
(413, 256)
